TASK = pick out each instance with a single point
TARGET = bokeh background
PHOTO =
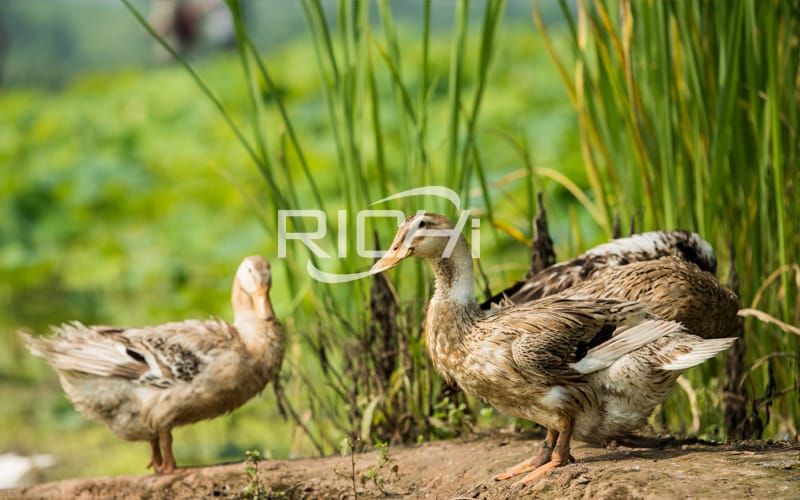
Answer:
(127, 197)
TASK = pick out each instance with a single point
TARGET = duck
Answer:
(143, 382)
(671, 288)
(589, 367)
(648, 246)
(672, 272)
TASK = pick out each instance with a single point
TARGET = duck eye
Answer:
(422, 224)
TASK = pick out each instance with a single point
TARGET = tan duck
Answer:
(142, 382)
(671, 272)
(674, 289)
(642, 247)
(577, 365)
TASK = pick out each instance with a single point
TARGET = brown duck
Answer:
(142, 382)
(653, 245)
(674, 289)
(574, 363)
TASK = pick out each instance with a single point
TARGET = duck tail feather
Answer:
(624, 340)
(73, 349)
(700, 352)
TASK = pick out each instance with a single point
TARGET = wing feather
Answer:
(554, 333)
(158, 356)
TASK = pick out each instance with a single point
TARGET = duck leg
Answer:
(541, 458)
(559, 458)
(155, 455)
(165, 438)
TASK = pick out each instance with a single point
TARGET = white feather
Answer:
(646, 243)
(623, 342)
(651, 244)
(555, 397)
(701, 351)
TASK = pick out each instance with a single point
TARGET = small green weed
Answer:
(373, 474)
(254, 489)
(353, 446)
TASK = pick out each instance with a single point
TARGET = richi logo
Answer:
(309, 238)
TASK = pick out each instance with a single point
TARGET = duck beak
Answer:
(263, 305)
(391, 259)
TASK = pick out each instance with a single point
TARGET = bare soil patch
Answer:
(463, 468)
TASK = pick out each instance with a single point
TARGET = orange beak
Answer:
(391, 258)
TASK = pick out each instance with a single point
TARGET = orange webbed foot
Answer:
(516, 470)
(557, 457)
(556, 461)
(541, 458)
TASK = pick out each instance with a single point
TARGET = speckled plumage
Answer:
(142, 382)
(573, 362)
(684, 245)
(671, 288)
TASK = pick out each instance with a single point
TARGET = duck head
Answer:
(425, 235)
(254, 278)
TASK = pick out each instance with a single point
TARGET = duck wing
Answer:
(674, 289)
(559, 340)
(684, 245)
(158, 356)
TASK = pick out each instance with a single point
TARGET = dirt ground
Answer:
(463, 468)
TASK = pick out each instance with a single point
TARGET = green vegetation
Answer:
(689, 114)
(253, 489)
(129, 200)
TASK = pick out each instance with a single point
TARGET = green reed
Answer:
(688, 117)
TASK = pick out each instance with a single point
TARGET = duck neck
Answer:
(259, 334)
(453, 309)
(256, 332)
